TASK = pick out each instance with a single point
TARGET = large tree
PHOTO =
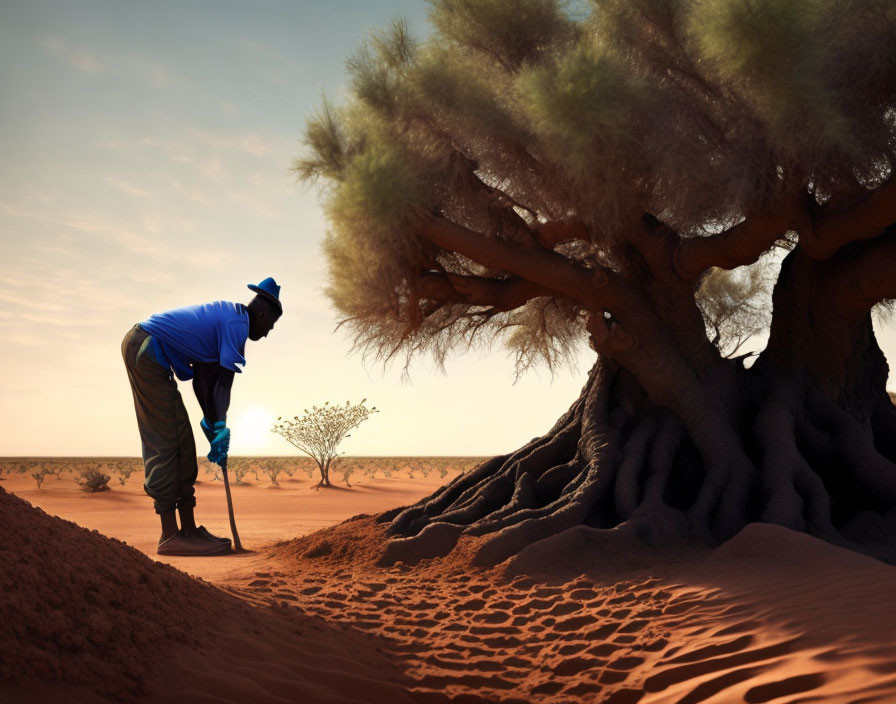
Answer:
(543, 173)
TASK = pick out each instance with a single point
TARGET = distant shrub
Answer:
(93, 480)
(124, 472)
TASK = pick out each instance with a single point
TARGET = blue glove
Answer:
(207, 430)
(220, 443)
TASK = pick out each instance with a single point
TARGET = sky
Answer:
(146, 163)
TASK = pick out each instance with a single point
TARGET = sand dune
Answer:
(771, 616)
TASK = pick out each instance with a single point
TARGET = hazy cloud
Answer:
(80, 59)
(126, 187)
(152, 72)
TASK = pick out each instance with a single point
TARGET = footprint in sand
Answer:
(634, 626)
(546, 592)
(625, 663)
(532, 605)
(569, 667)
(602, 649)
(494, 617)
(576, 623)
(470, 605)
(586, 688)
(583, 595)
(564, 608)
(547, 688)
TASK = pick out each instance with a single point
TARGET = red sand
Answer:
(771, 616)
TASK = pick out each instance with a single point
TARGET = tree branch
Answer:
(861, 221)
(740, 245)
(550, 234)
(500, 294)
(870, 277)
(544, 268)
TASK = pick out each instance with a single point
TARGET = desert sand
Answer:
(91, 614)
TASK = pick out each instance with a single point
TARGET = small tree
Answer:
(240, 467)
(39, 475)
(320, 431)
(347, 469)
(272, 469)
(211, 468)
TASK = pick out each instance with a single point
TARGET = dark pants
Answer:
(169, 451)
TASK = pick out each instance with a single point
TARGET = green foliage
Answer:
(768, 51)
(694, 111)
(586, 103)
(511, 32)
(377, 68)
(325, 140)
(378, 189)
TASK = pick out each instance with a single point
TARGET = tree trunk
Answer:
(805, 438)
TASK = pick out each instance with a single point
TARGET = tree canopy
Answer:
(475, 181)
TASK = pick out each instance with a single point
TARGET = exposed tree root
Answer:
(617, 459)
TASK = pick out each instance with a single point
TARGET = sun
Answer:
(251, 429)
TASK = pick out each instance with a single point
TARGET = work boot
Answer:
(191, 545)
(203, 532)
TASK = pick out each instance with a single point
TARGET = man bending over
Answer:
(205, 343)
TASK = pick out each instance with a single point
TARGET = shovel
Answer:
(236, 538)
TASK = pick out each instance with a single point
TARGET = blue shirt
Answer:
(211, 332)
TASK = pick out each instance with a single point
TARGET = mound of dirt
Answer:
(358, 541)
(86, 609)
(85, 612)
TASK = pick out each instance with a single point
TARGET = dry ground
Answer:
(771, 616)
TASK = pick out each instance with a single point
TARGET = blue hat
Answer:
(270, 290)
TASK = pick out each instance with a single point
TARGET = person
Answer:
(205, 343)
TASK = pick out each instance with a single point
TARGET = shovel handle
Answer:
(236, 537)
